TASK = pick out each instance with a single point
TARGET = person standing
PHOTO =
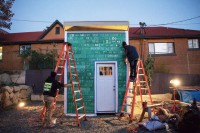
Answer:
(133, 56)
(50, 88)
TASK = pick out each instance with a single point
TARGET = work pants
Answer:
(49, 109)
(133, 72)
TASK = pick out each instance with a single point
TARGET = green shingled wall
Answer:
(88, 48)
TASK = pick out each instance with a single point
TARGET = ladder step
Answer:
(77, 91)
(76, 83)
(78, 99)
(74, 74)
(144, 88)
(128, 105)
(125, 112)
(80, 108)
(129, 96)
(142, 81)
(80, 117)
(72, 66)
(62, 59)
(70, 52)
(71, 58)
(140, 74)
(59, 74)
(60, 66)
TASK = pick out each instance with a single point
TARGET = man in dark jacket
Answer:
(50, 88)
(132, 55)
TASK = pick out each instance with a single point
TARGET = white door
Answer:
(106, 91)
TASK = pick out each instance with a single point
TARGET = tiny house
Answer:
(100, 64)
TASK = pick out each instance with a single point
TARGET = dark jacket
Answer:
(131, 53)
(54, 86)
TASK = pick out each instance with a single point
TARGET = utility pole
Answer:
(142, 33)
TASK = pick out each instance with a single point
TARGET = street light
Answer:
(175, 84)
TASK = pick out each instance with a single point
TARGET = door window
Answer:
(105, 71)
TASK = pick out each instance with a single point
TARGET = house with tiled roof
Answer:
(14, 44)
(174, 50)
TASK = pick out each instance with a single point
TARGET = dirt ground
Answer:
(26, 120)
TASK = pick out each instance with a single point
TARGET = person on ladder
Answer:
(50, 87)
(133, 56)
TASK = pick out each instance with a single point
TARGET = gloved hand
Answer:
(126, 60)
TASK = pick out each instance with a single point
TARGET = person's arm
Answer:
(67, 85)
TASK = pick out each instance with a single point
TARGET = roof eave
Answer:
(165, 37)
(34, 42)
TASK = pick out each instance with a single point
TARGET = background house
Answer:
(14, 45)
(176, 53)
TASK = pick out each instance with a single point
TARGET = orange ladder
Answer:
(140, 84)
(66, 53)
(75, 85)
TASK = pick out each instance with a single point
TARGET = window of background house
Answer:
(24, 48)
(161, 48)
(1, 52)
(57, 30)
(193, 43)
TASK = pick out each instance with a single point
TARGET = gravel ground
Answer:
(26, 120)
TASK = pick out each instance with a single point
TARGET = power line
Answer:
(177, 21)
(38, 21)
(174, 23)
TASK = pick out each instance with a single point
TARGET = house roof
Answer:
(50, 28)
(23, 37)
(30, 37)
(162, 32)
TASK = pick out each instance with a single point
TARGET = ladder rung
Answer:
(75, 83)
(142, 81)
(71, 58)
(129, 96)
(80, 108)
(59, 74)
(125, 112)
(74, 74)
(80, 117)
(60, 66)
(128, 105)
(144, 88)
(72, 66)
(77, 91)
(139, 68)
(140, 74)
(70, 52)
(78, 99)
(62, 59)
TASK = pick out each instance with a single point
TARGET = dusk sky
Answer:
(36, 15)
